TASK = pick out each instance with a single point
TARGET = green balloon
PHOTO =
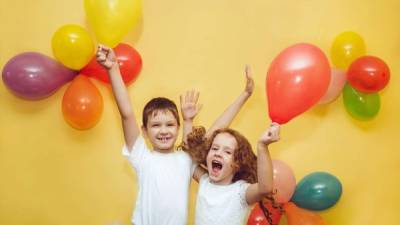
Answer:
(360, 105)
(317, 191)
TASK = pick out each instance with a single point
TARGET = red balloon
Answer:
(257, 216)
(297, 78)
(368, 74)
(129, 61)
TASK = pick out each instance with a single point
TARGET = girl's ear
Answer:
(235, 167)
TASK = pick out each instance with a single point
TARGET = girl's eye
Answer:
(170, 124)
(214, 148)
(155, 125)
(228, 152)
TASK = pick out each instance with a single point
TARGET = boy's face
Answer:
(162, 130)
(220, 159)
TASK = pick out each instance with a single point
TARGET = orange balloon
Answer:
(82, 104)
(299, 216)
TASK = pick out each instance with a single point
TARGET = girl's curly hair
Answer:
(198, 147)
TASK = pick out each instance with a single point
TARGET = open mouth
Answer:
(216, 166)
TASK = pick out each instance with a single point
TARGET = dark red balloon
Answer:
(129, 61)
(257, 216)
(368, 74)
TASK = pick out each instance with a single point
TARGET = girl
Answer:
(229, 186)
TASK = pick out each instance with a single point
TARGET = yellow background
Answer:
(51, 174)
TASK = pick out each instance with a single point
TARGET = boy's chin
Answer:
(165, 148)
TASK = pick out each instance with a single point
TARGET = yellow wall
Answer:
(51, 174)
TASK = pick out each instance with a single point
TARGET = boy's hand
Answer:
(249, 81)
(189, 106)
(271, 135)
(105, 56)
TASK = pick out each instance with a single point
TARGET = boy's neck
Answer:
(164, 151)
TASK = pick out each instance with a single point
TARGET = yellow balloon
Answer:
(347, 47)
(111, 20)
(72, 46)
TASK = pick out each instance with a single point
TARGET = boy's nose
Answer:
(163, 129)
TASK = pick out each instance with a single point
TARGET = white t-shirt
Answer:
(164, 180)
(221, 204)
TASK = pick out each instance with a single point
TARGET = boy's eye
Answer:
(214, 148)
(170, 124)
(155, 125)
(228, 152)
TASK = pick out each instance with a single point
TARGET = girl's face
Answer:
(220, 159)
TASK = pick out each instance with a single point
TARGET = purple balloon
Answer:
(35, 76)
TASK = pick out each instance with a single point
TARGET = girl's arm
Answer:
(255, 192)
(189, 109)
(229, 114)
(106, 57)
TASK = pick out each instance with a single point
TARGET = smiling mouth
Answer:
(163, 139)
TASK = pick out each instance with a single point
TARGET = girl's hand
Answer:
(105, 56)
(249, 81)
(271, 135)
(189, 106)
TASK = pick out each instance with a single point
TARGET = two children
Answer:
(164, 174)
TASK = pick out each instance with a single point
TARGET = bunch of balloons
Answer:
(316, 191)
(301, 77)
(34, 76)
(365, 76)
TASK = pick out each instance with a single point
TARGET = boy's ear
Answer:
(144, 131)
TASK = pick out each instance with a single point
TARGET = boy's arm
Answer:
(264, 187)
(189, 110)
(229, 114)
(106, 57)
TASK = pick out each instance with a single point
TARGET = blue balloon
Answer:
(317, 191)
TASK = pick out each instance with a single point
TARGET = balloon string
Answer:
(275, 205)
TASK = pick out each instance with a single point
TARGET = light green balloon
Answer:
(360, 105)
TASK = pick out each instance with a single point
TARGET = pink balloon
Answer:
(338, 80)
(284, 181)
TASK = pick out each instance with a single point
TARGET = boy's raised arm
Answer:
(106, 57)
(229, 114)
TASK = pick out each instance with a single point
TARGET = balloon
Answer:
(338, 80)
(129, 61)
(360, 105)
(284, 181)
(297, 78)
(299, 216)
(72, 46)
(82, 104)
(34, 76)
(317, 191)
(112, 20)
(257, 216)
(368, 74)
(347, 47)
